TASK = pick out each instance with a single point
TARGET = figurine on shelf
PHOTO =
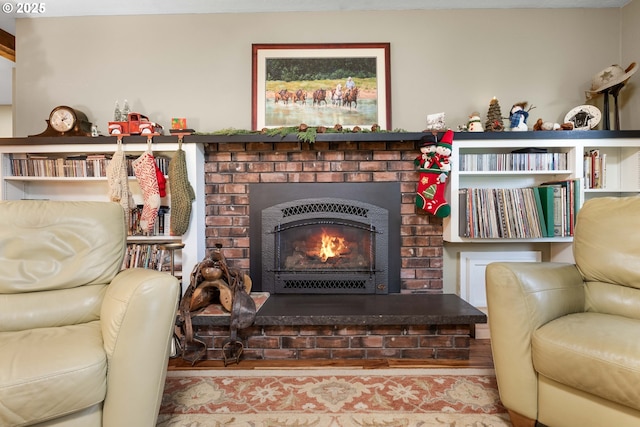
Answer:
(474, 124)
(518, 117)
(435, 122)
(427, 151)
(542, 125)
(494, 121)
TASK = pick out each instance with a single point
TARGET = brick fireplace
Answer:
(231, 167)
(432, 325)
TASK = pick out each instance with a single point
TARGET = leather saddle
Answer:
(213, 281)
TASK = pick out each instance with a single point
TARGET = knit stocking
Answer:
(430, 194)
(145, 169)
(182, 194)
(118, 180)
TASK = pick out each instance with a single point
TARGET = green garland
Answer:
(304, 133)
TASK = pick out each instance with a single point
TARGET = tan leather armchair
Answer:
(81, 342)
(566, 338)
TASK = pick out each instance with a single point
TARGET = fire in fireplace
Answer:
(325, 238)
(325, 246)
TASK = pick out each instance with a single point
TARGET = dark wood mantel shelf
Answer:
(327, 137)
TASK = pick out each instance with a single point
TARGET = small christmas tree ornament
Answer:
(125, 111)
(117, 113)
(434, 172)
(494, 121)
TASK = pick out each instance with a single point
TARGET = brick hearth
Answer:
(300, 342)
(394, 326)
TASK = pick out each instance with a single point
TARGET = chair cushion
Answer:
(606, 244)
(50, 372)
(47, 245)
(593, 352)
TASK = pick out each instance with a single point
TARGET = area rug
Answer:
(398, 397)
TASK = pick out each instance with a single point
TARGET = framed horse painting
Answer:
(345, 84)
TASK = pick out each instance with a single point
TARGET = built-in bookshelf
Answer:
(496, 182)
(39, 168)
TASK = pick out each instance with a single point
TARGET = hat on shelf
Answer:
(427, 140)
(610, 77)
(447, 139)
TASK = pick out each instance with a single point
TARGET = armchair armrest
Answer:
(521, 297)
(137, 317)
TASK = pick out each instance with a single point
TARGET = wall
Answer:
(199, 66)
(6, 121)
(630, 34)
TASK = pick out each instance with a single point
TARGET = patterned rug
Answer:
(332, 398)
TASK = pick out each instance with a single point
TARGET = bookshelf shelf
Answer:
(132, 179)
(515, 173)
(55, 178)
(161, 238)
(606, 191)
(516, 240)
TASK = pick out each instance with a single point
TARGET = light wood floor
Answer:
(480, 357)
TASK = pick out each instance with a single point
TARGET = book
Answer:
(463, 214)
(587, 171)
(544, 231)
(595, 168)
(545, 196)
(555, 214)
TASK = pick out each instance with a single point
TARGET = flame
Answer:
(331, 246)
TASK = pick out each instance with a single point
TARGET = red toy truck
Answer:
(136, 124)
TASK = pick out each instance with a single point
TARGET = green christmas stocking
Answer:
(182, 194)
(430, 194)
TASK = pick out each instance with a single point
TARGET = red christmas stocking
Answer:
(145, 169)
(430, 194)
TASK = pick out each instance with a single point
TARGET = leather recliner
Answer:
(566, 337)
(82, 343)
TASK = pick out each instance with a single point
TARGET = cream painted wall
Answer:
(199, 66)
(630, 47)
(6, 121)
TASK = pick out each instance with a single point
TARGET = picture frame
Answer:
(288, 81)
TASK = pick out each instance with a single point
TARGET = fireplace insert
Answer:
(325, 238)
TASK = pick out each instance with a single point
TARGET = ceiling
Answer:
(63, 8)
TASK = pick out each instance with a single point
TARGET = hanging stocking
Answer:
(118, 180)
(145, 169)
(430, 195)
(433, 179)
(182, 194)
